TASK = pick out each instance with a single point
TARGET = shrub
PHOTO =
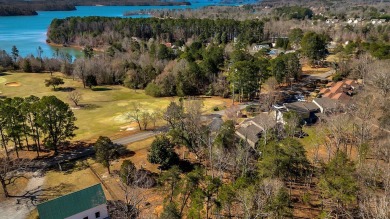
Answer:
(153, 90)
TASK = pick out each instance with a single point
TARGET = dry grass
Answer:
(307, 69)
(152, 196)
(60, 183)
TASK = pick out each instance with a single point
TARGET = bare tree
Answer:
(80, 70)
(75, 97)
(155, 116)
(339, 132)
(232, 113)
(10, 171)
(271, 97)
(380, 76)
(184, 120)
(362, 112)
(362, 66)
(135, 114)
(145, 119)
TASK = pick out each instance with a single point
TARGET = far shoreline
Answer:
(76, 47)
(31, 10)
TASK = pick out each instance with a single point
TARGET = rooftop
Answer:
(264, 120)
(250, 133)
(72, 203)
(326, 103)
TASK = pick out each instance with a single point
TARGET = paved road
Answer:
(136, 137)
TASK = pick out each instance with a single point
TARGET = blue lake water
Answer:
(27, 33)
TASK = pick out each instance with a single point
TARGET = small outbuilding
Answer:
(88, 203)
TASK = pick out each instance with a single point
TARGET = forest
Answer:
(106, 31)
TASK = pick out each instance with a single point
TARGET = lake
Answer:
(27, 33)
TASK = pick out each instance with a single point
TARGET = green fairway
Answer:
(105, 108)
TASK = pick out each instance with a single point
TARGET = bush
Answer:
(153, 90)
(162, 152)
(337, 77)
(216, 108)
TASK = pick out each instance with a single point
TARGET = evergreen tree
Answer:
(162, 152)
(338, 182)
(56, 120)
(314, 46)
(106, 151)
(15, 53)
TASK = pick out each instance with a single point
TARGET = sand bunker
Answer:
(13, 84)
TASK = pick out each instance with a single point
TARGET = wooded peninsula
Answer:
(19, 7)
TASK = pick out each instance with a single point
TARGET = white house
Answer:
(88, 203)
(378, 21)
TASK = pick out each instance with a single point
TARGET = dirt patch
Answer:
(20, 207)
(13, 84)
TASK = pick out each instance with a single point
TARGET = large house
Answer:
(341, 91)
(88, 203)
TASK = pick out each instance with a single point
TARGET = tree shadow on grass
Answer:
(65, 89)
(88, 106)
(126, 153)
(40, 194)
(4, 74)
(101, 89)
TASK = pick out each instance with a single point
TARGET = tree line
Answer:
(99, 31)
(15, 8)
(35, 123)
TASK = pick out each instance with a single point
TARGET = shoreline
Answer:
(20, 9)
(76, 47)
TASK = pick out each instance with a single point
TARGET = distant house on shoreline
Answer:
(88, 203)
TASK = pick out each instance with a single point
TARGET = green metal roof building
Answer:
(88, 203)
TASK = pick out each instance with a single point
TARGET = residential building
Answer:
(332, 21)
(88, 203)
(326, 104)
(252, 129)
(342, 90)
(305, 110)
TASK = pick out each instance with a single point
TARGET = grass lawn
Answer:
(105, 108)
(60, 183)
(307, 69)
(310, 143)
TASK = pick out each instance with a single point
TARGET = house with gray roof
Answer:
(326, 104)
(304, 109)
(88, 203)
(252, 129)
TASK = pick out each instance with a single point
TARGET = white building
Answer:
(88, 203)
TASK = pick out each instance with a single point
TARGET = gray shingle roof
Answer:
(326, 103)
(264, 120)
(250, 133)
